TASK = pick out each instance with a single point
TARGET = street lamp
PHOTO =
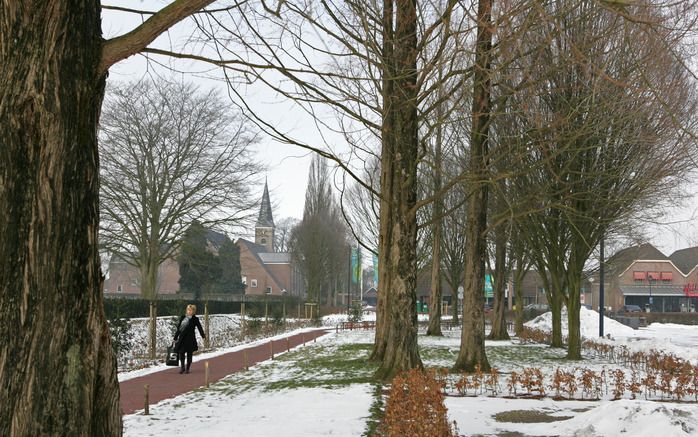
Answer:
(591, 290)
(649, 281)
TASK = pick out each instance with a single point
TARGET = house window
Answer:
(244, 280)
(268, 290)
(639, 277)
(253, 283)
(666, 276)
(264, 241)
(653, 276)
(119, 289)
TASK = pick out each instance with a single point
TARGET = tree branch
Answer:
(121, 47)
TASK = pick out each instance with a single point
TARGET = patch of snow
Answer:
(588, 324)
(296, 412)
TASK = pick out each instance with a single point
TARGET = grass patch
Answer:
(376, 411)
(528, 416)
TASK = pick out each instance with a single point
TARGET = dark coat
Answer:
(185, 341)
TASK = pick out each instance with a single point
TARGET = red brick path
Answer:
(169, 383)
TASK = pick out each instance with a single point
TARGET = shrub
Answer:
(415, 407)
(121, 335)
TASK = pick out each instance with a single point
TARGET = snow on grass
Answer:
(636, 418)
(327, 388)
(324, 388)
(588, 324)
(680, 340)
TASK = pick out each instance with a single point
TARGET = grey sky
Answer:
(288, 165)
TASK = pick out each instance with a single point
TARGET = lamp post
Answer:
(591, 290)
(649, 281)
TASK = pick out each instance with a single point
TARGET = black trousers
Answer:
(181, 358)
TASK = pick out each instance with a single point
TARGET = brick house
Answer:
(123, 277)
(263, 270)
(640, 274)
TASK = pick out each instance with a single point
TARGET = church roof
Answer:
(265, 219)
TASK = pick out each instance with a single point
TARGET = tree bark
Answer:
(574, 338)
(499, 323)
(472, 347)
(57, 367)
(435, 299)
(401, 351)
(387, 132)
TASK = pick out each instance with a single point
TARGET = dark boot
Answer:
(188, 366)
(182, 370)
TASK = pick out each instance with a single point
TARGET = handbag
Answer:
(172, 359)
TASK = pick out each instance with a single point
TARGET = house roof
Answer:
(265, 219)
(216, 238)
(371, 292)
(275, 258)
(624, 258)
(685, 259)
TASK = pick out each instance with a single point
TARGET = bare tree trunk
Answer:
(499, 323)
(401, 352)
(149, 280)
(472, 347)
(57, 367)
(387, 143)
(435, 300)
(518, 292)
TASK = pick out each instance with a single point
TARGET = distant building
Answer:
(636, 274)
(264, 271)
(123, 277)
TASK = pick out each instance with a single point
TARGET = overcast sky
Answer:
(288, 165)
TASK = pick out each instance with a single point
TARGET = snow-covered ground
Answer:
(680, 340)
(326, 388)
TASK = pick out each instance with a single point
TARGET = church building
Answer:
(263, 270)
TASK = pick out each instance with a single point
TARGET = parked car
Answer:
(625, 309)
(487, 308)
(537, 307)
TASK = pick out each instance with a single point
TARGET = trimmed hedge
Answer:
(115, 308)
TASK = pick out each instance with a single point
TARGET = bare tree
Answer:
(319, 242)
(608, 128)
(171, 156)
(282, 234)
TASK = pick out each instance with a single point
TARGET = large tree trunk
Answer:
(387, 143)
(401, 352)
(472, 347)
(57, 367)
(499, 323)
(435, 300)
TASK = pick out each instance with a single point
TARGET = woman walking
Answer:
(185, 337)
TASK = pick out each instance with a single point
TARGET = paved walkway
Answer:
(169, 383)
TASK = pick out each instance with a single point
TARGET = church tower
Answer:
(264, 229)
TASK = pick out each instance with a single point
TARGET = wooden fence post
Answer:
(206, 379)
(271, 348)
(288, 345)
(146, 403)
(244, 358)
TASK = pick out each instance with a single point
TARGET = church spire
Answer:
(265, 219)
